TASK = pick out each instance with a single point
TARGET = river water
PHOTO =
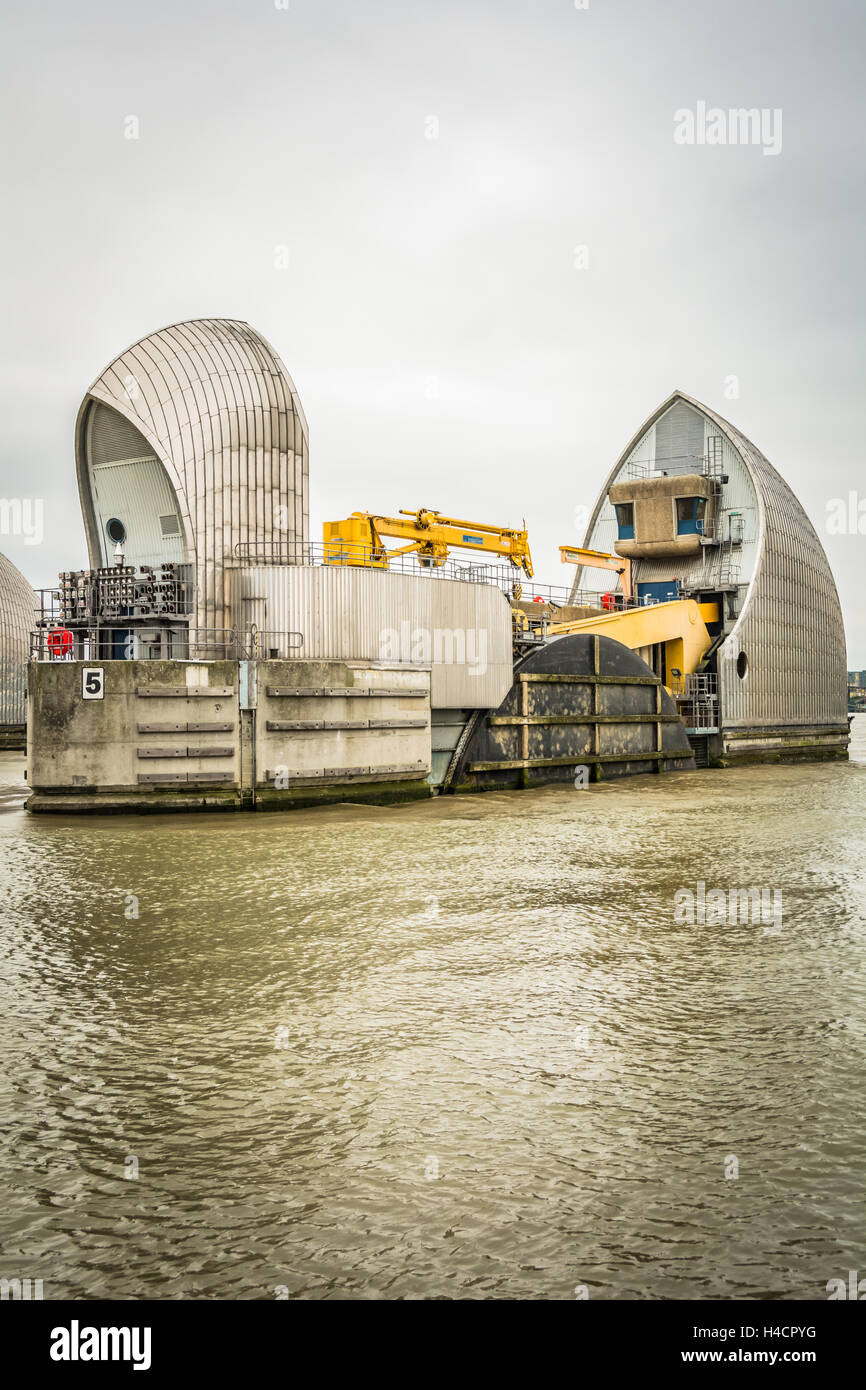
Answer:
(465, 1048)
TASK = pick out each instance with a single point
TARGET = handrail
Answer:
(67, 642)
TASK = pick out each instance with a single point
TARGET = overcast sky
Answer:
(451, 344)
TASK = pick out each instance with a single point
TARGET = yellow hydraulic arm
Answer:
(358, 540)
(681, 624)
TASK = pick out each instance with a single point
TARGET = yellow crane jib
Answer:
(359, 539)
(598, 560)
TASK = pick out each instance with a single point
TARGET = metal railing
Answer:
(710, 464)
(555, 594)
(347, 555)
(713, 529)
(728, 571)
(267, 644)
(697, 698)
(342, 554)
(60, 643)
(612, 601)
(672, 465)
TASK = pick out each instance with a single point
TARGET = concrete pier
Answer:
(138, 736)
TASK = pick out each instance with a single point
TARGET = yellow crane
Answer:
(598, 560)
(358, 539)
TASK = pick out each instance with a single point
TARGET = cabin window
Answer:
(625, 520)
(690, 515)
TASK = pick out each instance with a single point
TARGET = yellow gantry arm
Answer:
(358, 539)
(598, 560)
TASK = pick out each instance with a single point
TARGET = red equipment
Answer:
(60, 641)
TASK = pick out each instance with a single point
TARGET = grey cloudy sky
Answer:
(448, 347)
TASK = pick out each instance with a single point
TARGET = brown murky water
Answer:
(458, 1049)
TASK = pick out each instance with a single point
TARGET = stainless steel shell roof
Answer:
(789, 625)
(17, 603)
(220, 412)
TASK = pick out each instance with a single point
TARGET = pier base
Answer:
(138, 737)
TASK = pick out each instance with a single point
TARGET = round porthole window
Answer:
(116, 531)
(742, 665)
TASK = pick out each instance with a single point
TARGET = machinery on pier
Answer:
(673, 636)
(122, 591)
(358, 540)
(117, 611)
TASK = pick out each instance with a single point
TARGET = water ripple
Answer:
(462, 1048)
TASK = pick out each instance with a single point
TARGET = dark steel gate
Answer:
(583, 707)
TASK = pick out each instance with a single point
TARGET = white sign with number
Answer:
(92, 683)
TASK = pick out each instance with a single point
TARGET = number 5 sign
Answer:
(92, 683)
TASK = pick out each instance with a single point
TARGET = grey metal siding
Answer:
(790, 626)
(355, 614)
(136, 490)
(17, 616)
(679, 442)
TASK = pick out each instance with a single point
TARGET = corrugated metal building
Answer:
(17, 605)
(460, 631)
(781, 666)
(192, 442)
